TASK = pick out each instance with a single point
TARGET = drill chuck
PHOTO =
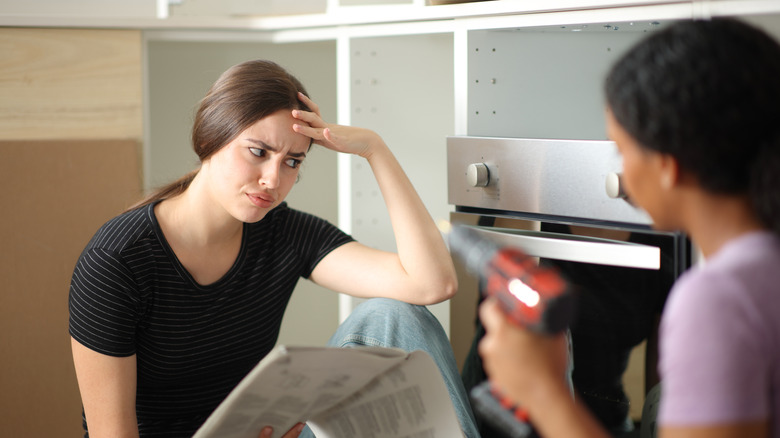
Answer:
(532, 296)
(472, 249)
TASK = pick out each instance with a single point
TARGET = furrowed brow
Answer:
(263, 145)
(266, 146)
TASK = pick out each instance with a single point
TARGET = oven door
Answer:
(621, 273)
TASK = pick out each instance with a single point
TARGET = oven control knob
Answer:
(614, 186)
(477, 175)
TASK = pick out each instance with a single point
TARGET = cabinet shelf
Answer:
(393, 19)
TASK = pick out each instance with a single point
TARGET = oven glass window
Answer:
(618, 307)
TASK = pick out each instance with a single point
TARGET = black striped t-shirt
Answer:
(130, 295)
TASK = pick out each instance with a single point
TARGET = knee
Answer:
(372, 303)
(395, 312)
(393, 319)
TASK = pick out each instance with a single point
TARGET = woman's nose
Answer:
(269, 175)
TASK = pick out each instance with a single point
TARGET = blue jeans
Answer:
(389, 323)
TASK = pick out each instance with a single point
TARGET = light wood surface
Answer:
(70, 84)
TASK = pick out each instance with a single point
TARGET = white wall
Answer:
(402, 88)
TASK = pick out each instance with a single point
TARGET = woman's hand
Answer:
(519, 362)
(530, 369)
(292, 433)
(346, 139)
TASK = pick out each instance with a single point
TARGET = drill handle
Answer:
(501, 413)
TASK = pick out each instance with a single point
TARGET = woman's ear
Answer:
(669, 171)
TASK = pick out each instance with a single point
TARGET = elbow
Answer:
(443, 290)
(451, 287)
(448, 284)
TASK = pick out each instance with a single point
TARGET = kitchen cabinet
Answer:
(413, 72)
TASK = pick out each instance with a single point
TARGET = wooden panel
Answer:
(70, 84)
(55, 194)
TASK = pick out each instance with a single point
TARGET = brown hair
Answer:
(242, 95)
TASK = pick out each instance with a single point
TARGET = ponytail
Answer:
(168, 191)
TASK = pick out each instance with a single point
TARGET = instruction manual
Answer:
(366, 392)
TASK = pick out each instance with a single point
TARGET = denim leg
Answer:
(389, 323)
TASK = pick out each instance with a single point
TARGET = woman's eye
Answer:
(257, 152)
(292, 162)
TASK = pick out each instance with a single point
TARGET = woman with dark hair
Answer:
(173, 302)
(695, 112)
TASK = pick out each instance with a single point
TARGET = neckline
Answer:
(185, 274)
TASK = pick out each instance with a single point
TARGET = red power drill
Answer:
(532, 296)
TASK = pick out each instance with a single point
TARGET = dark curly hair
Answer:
(707, 93)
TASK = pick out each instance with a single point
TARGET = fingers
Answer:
(319, 135)
(294, 432)
(518, 360)
(308, 117)
(493, 320)
(313, 126)
(309, 103)
(313, 117)
(490, 314)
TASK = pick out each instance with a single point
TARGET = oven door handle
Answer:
(579, 249)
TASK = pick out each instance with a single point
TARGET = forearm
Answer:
(422, 271)
(107, 385)
(421, 249)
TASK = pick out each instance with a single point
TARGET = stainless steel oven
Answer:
(561, 201)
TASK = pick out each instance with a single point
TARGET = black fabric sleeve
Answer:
(314, 238)
(103, 304)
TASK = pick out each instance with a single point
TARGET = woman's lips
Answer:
(262, 200)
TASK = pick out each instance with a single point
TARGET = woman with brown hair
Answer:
(175, 300)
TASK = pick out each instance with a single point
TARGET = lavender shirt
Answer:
(720, 338)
